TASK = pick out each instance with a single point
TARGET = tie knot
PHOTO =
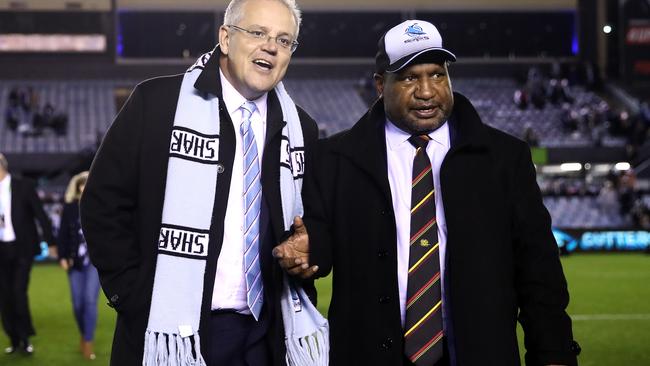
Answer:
(247, 111)
(419, 140)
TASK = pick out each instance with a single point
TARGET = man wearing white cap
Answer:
(433, 225)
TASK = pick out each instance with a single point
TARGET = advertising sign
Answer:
(575, 240)
(635, 39)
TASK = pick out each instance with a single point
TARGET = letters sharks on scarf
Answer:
(172, 336)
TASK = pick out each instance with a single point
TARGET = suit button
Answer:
(386, 344)
(382, 253)
(384, 299)
(575, 348)
(114, 300)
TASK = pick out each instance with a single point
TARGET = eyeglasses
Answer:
(283, 41)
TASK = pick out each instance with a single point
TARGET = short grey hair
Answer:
(234, 12)
(4, 164)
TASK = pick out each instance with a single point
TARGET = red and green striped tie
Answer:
(423, 332)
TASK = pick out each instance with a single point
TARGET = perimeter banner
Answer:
(596, 240)
(635, 39)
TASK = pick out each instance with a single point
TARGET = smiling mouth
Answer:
(263, 64)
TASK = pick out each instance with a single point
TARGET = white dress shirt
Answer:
(230, 284)
(7, 233)
(400, 155)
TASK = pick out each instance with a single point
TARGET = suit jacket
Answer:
(26, 210)
(502, 262)
(122, 207)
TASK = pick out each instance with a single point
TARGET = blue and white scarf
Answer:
(172, 335)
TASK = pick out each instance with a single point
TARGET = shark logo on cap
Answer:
(405, 42)
(414, 30)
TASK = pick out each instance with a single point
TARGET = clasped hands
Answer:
(293, 253)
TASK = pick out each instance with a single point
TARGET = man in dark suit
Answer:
(434, 226)
(132, 185)
(20, 207)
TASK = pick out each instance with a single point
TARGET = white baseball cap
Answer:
(406, 41)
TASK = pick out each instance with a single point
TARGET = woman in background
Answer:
(73, 257)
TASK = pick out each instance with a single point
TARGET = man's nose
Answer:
(270, 45)
(424, 89)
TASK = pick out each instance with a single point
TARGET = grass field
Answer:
(610, 304)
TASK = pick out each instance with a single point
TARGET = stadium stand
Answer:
(334, 103)
(583, 212)
(90, 109)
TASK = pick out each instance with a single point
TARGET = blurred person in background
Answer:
(74, 259)
(192, 187)
(20, 209)
(434, 226)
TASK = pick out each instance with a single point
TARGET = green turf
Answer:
(57, 338)
(599, 284)
(611, 284)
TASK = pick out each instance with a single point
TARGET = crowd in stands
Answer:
(618, 193)
(25, 115)
(634, 127)
(594, 118)
(538, 91)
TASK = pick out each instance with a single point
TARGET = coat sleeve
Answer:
(109, 204)
(541, 287)
(310, 137)
(43, 220)
(317, 218)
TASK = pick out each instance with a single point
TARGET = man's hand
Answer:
(65, 264)
(293, 253)
(52, 251)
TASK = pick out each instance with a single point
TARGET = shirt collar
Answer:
(233, 99)
(397, 138)
(6, 181)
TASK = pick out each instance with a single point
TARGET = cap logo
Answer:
(416, 33)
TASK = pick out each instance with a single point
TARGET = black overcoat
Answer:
(121, 208)
(68, 239)
(26, 211)
(502, 262)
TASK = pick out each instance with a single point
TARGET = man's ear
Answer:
(379, 83)
(224, 39)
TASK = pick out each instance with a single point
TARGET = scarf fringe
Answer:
(173, 359)
(172, 350)
(309, 350)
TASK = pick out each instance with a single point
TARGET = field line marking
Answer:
(587, 317)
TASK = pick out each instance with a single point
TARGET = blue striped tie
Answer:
(252, 203)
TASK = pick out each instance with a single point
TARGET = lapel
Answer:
(209, 82)
(465, 127)
(274, 118)
(365, 147)
(271, 165)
